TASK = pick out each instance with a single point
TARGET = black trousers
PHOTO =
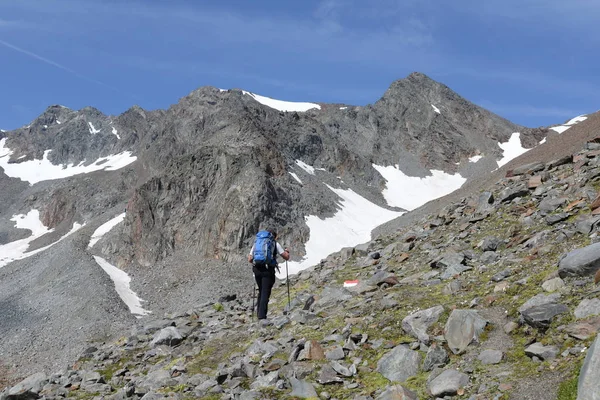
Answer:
(265, 279)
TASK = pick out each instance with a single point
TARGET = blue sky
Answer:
(534, 62)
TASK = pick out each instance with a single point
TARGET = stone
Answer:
(328, 375)
(580, 262)
(436, 357)
(500, 276)
(542, 316)
(556, 218)
(448, 383)
(335, 353)
(553, 285)
(540, 299)
(587, 307)
(490, 243)
(331, 296)
(462, 328)
(265, 381)
(550, 205)
(312, 351)
(416, 324)
(589, 375)
(490, 357)
(511, 193)
(169, 336)
(527, 169)
(542, 352)
(397, 392)
(399, 364)
(302, 389)
(28, 388)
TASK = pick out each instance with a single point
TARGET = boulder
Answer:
(399, 364)
(580, 262)
(416, 324)
(448, 383)
(588, 386)
(462, 328)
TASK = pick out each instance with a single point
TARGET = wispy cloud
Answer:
(57, 65)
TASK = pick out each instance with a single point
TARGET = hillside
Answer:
(490, 297)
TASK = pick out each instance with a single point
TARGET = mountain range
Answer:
(107, 219)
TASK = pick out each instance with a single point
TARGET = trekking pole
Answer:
(287, 278)
(253, 297)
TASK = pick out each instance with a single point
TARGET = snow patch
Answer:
(543, 141)
(93, 130)
(475, 158)
(561, 128)
(437, 110)
(121, 281)
(104, 229)
(17, 250)
(58, 122)
(410, 192)
(283, 105)
(34, 171)
(2, 130)
(296, 177)
(511, 149)
(343, 108)
(306, 167)
(351, 225)
(45, 126)
(114, 132)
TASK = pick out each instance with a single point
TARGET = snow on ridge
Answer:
(351, 225)
(93, 130)
(309, 169)
(511, 149)
(114, 132)
(104, 229)
(121, 281)
(573, 121)
(18, 249)
(34, 171)
(296, 177)
(475, 158)
(410, 192)
(437, 110)
(58, 122)
(283, 105)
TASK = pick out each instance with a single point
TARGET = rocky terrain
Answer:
(492, 296)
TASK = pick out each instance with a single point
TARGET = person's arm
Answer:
(251, 255)
(285, 253)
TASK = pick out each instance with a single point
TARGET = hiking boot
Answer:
(264, 322)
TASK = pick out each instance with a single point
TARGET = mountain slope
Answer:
(197, 180)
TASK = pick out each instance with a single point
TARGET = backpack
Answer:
(264, 248)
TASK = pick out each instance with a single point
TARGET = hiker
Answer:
(263, 256)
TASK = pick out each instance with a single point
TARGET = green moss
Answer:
(418, 384)
(218, 307)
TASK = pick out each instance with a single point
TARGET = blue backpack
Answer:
(264, 248)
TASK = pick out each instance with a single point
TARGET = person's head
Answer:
(273, 231)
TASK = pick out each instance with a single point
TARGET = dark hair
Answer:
(272, 230)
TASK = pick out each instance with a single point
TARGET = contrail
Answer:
(59, 66)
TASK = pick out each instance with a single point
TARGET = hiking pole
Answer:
(253, 297)
(287, 278)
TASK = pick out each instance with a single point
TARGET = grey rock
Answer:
(553, 285)
(28, 388)
(328, 375)
(490, 243)
(341, 369)
(397, 392)
(265, 381)
(399, 364)
(484, 202)
(454, 270)
(416, 324)
(542, 352)
(502, 275)
(511, 193)
(528, 168)
(169, 336)
(588, 387)
(580, 262)
(490, 357)
(335, 353)
(587, 307)
(448, 383)
(331, 296)
(302, 389)
(550, 205)
(462, 328)
(448, 259)
(540, 299)
(542, 316)
(436, 357)
(556, 218)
